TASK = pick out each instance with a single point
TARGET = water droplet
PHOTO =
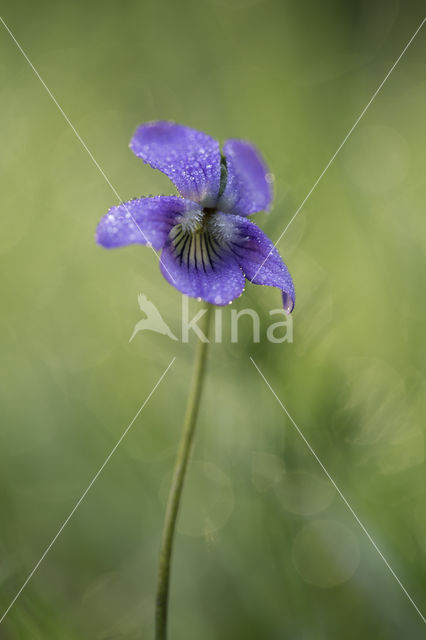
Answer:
(304, 493)
(326, 553)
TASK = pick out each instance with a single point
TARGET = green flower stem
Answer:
(176, 487)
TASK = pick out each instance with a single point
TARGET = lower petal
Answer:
(259, 259)
(143, 221)
(202, 270)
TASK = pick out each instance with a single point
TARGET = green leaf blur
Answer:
(266, 548)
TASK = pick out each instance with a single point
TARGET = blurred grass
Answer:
(292, 78)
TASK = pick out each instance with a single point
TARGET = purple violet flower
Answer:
(209, 246)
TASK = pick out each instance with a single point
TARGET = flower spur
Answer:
(209, 246)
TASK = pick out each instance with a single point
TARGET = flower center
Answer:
(207, 214)
(195, 243)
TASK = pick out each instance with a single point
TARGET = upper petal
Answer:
(248, 186)
(258, 258)
(190, 158)
(143, 221)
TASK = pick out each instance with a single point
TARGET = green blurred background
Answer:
(266, 548)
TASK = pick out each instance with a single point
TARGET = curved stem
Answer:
(176, 487)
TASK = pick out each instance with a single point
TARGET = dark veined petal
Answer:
(248, 186)
(199, 266)
(190, 158)
(257, 256)
(143, 221)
